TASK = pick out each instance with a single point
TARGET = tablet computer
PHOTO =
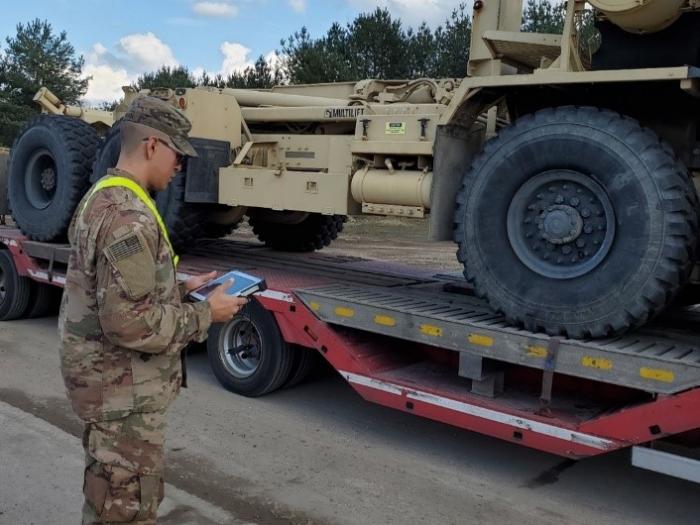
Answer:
(243, 285)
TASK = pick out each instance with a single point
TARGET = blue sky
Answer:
(122, 39)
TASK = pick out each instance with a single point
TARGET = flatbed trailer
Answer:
(421, 342)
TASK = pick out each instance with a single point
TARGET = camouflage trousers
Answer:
(124, 469)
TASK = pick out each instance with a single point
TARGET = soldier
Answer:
(123, 325)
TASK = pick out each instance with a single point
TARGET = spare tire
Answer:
(577, 221)
(49, 172)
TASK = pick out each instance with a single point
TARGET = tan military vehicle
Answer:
(578, 216)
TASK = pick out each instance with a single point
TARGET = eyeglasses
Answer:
(180, 158)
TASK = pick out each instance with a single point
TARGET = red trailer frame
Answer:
(580, 418)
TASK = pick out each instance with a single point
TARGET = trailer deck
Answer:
(419, 341)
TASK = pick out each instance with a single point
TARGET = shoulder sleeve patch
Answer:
(134, 264)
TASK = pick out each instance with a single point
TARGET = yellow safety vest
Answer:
(123, 182)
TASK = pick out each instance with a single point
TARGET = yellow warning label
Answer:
(596, 362)
(343, 311)
(429, 329)
(536, 351)
(395, 128)
(480, 340)
(384, 320)
(657, 374)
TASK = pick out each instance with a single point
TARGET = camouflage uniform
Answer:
(123, 327)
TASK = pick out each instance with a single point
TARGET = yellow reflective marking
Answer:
(429, 329)
(480, 340)
(657, 374)
(597, 362)
(537, 351)
(343, 311)
(385, 320)
(314, 306)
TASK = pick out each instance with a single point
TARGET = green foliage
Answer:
(375, 45)
(452, 44)
(166, 77)
(33, 58)
(541, 16)
(260, 76)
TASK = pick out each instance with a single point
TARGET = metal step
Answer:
(654, 360)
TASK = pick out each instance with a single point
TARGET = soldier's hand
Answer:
(196, 281)
(224, 306)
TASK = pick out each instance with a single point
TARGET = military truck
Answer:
(578, 216)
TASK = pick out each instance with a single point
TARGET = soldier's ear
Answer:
(150, 144)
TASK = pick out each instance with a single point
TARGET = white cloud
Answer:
(412, 12)
(298, 5)
(106, 83)
(147, 51)
(132, 56)
(235, 58)
(274, 60)
(215, 9)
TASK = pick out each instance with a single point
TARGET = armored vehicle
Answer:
(564, 175)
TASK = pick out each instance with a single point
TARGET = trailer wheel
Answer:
(578, 222)
(313, 233)
(247, 354)
(14, 289)
(304, 362)
(43, 300)
(49, 172)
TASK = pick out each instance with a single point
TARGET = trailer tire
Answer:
(577, 221)
(304, 362)
(313, 233)
(43, 300)
(248, 354)
(14, 289)
(49, 172)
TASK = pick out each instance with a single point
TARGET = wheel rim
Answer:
(240, 349)
(561, 224)
(40, 179)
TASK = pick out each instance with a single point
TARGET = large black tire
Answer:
(313, 233)
(186, 222)
(49, 172)
(14, 289)
(107, 153)
(44, 300)
(577, 222)
(248, 354)
(215, 230)
(304, 362)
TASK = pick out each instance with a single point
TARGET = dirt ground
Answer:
(394, 239)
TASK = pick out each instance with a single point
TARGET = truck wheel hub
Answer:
(561, 224)
(48, 179)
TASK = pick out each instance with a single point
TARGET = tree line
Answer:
(373, 45)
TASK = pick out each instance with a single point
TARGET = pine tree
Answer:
(33, 58)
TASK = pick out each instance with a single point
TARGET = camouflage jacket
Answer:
(122, 322)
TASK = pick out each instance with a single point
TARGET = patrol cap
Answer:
(161, 116)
